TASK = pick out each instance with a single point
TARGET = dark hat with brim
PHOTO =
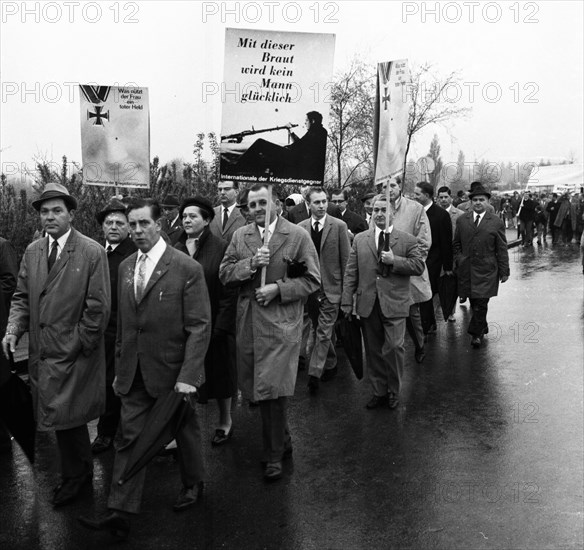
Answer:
(201, 202)
(55, 191)
(170, 200)
(114, 205)
(478, 190)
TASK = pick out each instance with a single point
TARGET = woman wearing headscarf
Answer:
(198, 242)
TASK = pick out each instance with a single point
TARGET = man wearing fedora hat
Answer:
(171, 222)
(62, 300)
(481, 259)
(118, 246)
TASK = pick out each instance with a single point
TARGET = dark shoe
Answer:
(188, 497)
(475, 342)
(328, 374)
(313, 384)
(68, 490)
(273, 471)
(377, 401)
(115, 522)
(101, 443)
(392, 400)
(419, 354)
(221, 437)
(288, 450)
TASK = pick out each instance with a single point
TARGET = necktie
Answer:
(53, 254)
(380, 243)
(316, 227)
(109, 249)
(141, 280)
(225, 217)
(477, 220)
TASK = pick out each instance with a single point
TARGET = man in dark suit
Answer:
(331, 240)
(481, 259)
(118, 246)
(381, 280)
(440, 254)
(164, 327)
(171, 222)
(301, 211)
(228, 218)
(355, 223)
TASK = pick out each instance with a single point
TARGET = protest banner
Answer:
(272, 80)
(115, 136)
(392, 107)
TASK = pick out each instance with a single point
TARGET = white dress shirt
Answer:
(321, 222)
(60, 244)
(153, 257)
(271, 229)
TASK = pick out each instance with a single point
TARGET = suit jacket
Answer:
(334, 253)
(355, 223)
(66, 313)
(168, 332)
(114, 259)
(440, 253)
(234, 222)
(172, 231)
(268, 337)
(480, 254)
(362, 274)
(300, 212)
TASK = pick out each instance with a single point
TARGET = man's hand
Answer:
(265, 294)
(504, 279)
(9, 343)
(261, 258)
(387, 257)
(186, 389)
(347, 311)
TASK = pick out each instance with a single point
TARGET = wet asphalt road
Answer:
(485, 450)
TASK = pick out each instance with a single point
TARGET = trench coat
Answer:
(66, 313)
(480, 255)
(410, 217)
(268, 337)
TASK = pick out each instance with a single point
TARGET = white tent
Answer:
(558, 178)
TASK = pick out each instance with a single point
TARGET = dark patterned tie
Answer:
(477, 220)
(316, 228)
(109, 249)
(225, 217)
(380, 243)
(53, 255)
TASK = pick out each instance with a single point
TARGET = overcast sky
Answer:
(520, 62)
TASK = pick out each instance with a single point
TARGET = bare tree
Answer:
(351, 125)
(430, 103)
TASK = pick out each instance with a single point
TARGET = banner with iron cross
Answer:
(115, 136)
(392, 107)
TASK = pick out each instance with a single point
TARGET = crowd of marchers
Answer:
(203, 301)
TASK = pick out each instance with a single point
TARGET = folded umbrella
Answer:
(448, 293)
(16, 410)
(352, 343)
(163, 422)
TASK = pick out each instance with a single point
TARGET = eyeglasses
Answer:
(338, 201)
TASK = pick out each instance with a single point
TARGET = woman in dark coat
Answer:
(198, 242)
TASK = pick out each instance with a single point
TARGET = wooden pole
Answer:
(266, 226)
